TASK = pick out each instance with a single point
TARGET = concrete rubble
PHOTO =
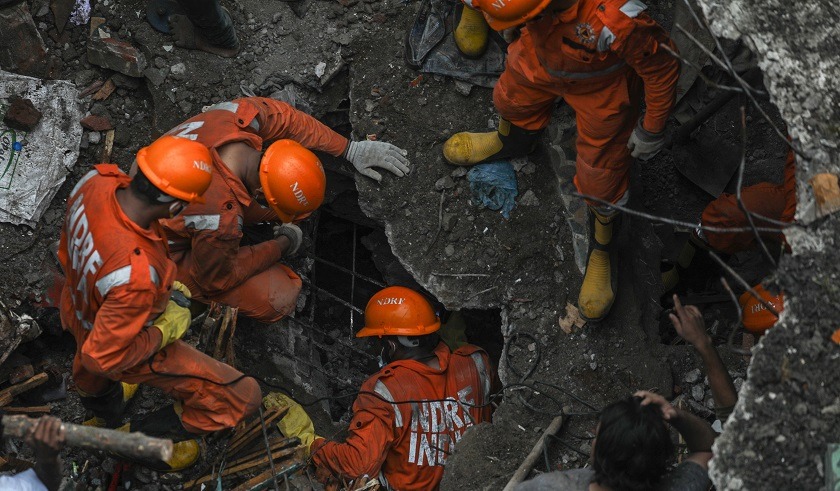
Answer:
(784, 418)
(343, 63)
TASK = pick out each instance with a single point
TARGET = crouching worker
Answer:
(410, 415)
(633, 448)
(206, 240)
(122, 304)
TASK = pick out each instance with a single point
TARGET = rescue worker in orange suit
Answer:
(600, 56)
(774, 201)
(205, 238)
(403, 444)
(122, 304)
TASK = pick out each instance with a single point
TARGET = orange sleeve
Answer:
(371, 435)
(658, 69)
(280, 120)
(220, 264)
(119, 339)
(259, 214)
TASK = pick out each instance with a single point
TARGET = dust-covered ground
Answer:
(523, 266)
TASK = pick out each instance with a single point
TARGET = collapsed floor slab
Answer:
(787, 410)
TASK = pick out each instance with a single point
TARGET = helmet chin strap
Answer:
(408, 343)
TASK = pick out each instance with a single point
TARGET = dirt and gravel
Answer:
(344, 60)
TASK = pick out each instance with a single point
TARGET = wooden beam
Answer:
(27, 410)
(7, 395)
(528, 464)
(132, 445)
(237, 469)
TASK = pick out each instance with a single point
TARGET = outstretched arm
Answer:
(688, 322)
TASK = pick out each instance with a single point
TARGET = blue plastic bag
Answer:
(494, 185)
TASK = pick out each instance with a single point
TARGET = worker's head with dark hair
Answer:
(632, 447)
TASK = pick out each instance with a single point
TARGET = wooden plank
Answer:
(234, 470)
(7, 395)
(220, 339)
(273, 445)
(264, 480)
(27, 410)
(528, 464)
(105, 157)
(256, 430)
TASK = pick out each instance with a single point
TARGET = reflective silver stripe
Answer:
(633, 8)
(469, 3)
(224, 106)
(114, 278)
(582, 75)
(87, 325)
(233, 107)
(82, 181)
(240, 222)
(483, 375)
(154, 275)
(605, 40)
(202, 222)
(382, 390)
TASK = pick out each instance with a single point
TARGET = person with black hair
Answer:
(127, 313)
(409, 415)
(632, 451)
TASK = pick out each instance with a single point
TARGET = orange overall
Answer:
(774, 201)
(205, 238)
(118, 280)
(598, 56)
(406, 444)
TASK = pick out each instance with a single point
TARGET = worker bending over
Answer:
(205, 238)
(121, 302)
(600, 56)
(409, 415)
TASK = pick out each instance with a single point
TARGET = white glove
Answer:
(291, 232)
(643, 144)
(365, 155)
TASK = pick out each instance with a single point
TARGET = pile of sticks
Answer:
(252, 450)
(216, 337)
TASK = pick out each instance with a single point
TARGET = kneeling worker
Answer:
(206, 239)
(404, 444)
(119, 302)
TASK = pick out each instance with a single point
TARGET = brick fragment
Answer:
(107, 51)
(21, 114)
(97, 123)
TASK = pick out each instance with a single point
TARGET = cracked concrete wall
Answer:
(797, 44)
(787, 410)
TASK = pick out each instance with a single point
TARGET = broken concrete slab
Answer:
(786, 412)
(105, 50)
(796, 44)
(22, 49)
(21, 114)
(35, 163)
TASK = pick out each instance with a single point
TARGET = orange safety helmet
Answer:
(398, 311)
(504, 14)
(292, 180)
(756, 317)
(178, 167)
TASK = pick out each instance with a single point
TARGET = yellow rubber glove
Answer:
(296, 423)
(175, 320)
(177, 285)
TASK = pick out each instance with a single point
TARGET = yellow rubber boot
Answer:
(597, 293)
(474, 148)
(472, 32)
(128, 393)
(185, 453)
(471, 148)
